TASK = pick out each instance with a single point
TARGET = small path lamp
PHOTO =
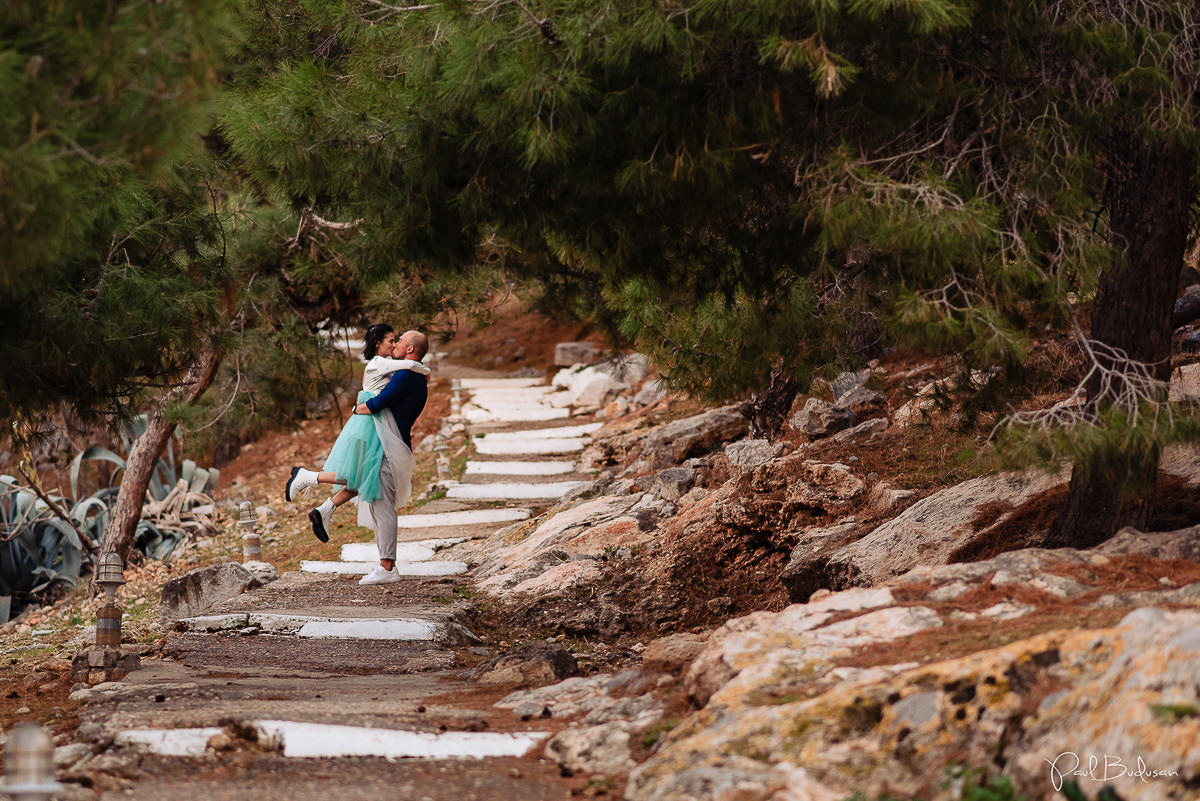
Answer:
(110, 574)
(251, 540)
(443, 460)
(29, 763)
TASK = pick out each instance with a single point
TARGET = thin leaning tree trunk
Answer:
(144, 455)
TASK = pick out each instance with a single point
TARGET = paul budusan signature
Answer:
(1068, 765)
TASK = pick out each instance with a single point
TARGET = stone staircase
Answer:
(260, 658)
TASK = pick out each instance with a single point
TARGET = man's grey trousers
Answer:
(383, 510)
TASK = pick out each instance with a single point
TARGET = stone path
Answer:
(315, 666)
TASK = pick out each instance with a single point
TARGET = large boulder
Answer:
(600, 749)
(1181, 544)
(591, 387)
(818, 418)
(881, 690)
(846, 383)
(864, 433)
(931, 530)
(672, 443)
(1185, 383)
(599, 698)
(538, 663)
(673, 483)
(807, 569)
(673, 653)
(861, 401)
(549, 554)
(747, 454)
(570, 353)
(1182, 460)
(199, 590)
(824, 485)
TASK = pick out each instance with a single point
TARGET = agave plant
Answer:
(173, 490)
(39, 548)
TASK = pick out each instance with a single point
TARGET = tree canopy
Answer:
(105, 279)
(751, 190)
(748, 191)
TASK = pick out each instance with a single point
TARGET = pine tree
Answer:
(101, 291)
(140, 266)
(751, 190)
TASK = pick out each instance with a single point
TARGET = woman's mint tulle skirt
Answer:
(357, 455)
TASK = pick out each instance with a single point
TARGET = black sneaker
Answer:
(318, 525)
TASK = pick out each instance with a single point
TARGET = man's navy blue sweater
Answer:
(404, 396)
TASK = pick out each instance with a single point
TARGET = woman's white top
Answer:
(380, 368)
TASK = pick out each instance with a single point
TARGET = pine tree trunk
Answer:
(765, 411)
(1150, 191)
(144, 455)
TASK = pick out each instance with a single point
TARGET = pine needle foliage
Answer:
(747, 189)
(105, 279)
(708, 161)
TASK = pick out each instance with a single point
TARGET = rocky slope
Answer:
(906, 632)
(851, 609)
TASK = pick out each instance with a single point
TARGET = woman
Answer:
(358, 452)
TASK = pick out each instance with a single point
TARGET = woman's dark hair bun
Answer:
(375, 334)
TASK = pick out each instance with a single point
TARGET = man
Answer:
(404, 398)
(396, 407)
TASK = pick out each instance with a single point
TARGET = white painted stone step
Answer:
(537, 446)
(511, 491)
(405, 551)
(489, 383)
(541, 433)
(325, 740)
(552, 468)
(412, 630)
(316, 740)
(466, 517)
(168, 742)
(511, 394)
(403, 568)
(401, 629)
(367, 552)
(523, 413)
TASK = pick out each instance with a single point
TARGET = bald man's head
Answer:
(414, 345)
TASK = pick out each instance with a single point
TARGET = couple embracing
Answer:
(372, 457)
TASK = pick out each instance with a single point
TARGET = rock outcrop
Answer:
(199, 590)
(929, 532)
(793, 725)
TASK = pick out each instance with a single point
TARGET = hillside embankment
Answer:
(667, 609)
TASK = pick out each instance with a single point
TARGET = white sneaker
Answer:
(301, 480)
(380, 576)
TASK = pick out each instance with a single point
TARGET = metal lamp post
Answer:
(110, 574)
(29, 764)
(251, 540)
